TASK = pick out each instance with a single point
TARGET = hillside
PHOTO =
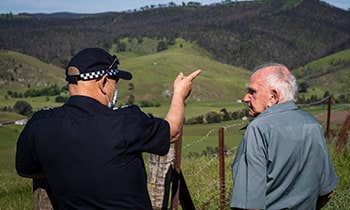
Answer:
(154, 73)
(243, 34)
(19, 71)
(330, 73)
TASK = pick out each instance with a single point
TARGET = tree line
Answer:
(242, 34)
(52, 90)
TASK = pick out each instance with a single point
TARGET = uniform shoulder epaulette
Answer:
(124, 107)
(40, 114)
(47, 112)
(47, 108)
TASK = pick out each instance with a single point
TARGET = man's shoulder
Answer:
(46, 113)
(286, 118)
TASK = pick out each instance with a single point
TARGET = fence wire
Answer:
(202, 173)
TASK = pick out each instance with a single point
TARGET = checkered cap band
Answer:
(98, 74)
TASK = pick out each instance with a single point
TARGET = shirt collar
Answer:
(87, 105)
(282, 107)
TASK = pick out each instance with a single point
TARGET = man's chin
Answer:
(252, 114)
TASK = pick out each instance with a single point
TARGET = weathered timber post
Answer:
(177, 170)
(343, 134)
(41, 192)
(160, 179)
(222, 168)
(327, 134)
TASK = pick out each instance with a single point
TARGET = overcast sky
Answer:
(96, 6)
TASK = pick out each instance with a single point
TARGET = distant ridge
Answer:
(243, 34)
(69, 15)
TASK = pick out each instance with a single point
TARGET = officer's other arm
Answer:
(176, 113)
(323, 199)
(26, 162)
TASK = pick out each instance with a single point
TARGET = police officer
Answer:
(90, 153)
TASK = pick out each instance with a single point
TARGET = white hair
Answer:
(281, 80)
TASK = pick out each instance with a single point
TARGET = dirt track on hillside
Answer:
(336, 117)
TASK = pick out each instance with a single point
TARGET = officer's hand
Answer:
(183, 84)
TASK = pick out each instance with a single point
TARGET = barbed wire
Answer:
(215, 183)
(324, 99)
(316, 102)
(230, 151)
(200, 140)
(207, 165)
(205, 137)
(213, 198)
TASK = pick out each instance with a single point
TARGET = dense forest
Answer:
(242, 34)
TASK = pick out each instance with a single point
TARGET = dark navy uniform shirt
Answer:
(92, 155)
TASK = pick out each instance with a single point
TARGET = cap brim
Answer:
(124, 75)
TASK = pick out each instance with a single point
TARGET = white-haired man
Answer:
(282, 161)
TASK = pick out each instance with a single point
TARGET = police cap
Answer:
(93, 63)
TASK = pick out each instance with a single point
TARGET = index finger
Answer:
(194, 74)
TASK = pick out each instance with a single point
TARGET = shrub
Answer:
(213, 117)
(61, 99)
(22, 108)
(162, 46)
(146, 103)
(195, 120)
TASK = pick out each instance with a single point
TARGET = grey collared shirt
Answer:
(282, 162)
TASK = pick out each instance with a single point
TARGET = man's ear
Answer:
(102, 84)
(274, 97)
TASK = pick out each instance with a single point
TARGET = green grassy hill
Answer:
(330, 73)
(20, 72)
(154, 73)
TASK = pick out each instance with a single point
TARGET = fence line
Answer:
(199, 140)
(215, 156)
(205, 137)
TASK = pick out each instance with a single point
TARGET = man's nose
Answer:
(246, 98)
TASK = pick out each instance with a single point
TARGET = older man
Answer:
(90, 153)
(282, 161)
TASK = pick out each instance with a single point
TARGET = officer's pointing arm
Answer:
(176, 113)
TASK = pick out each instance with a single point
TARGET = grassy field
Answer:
(15, 192)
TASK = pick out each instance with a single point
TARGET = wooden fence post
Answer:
(222, 168)
(180, 192)
(41, 195)
(161, 172)
(343, 134)
(327, 134)
(176, 181)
